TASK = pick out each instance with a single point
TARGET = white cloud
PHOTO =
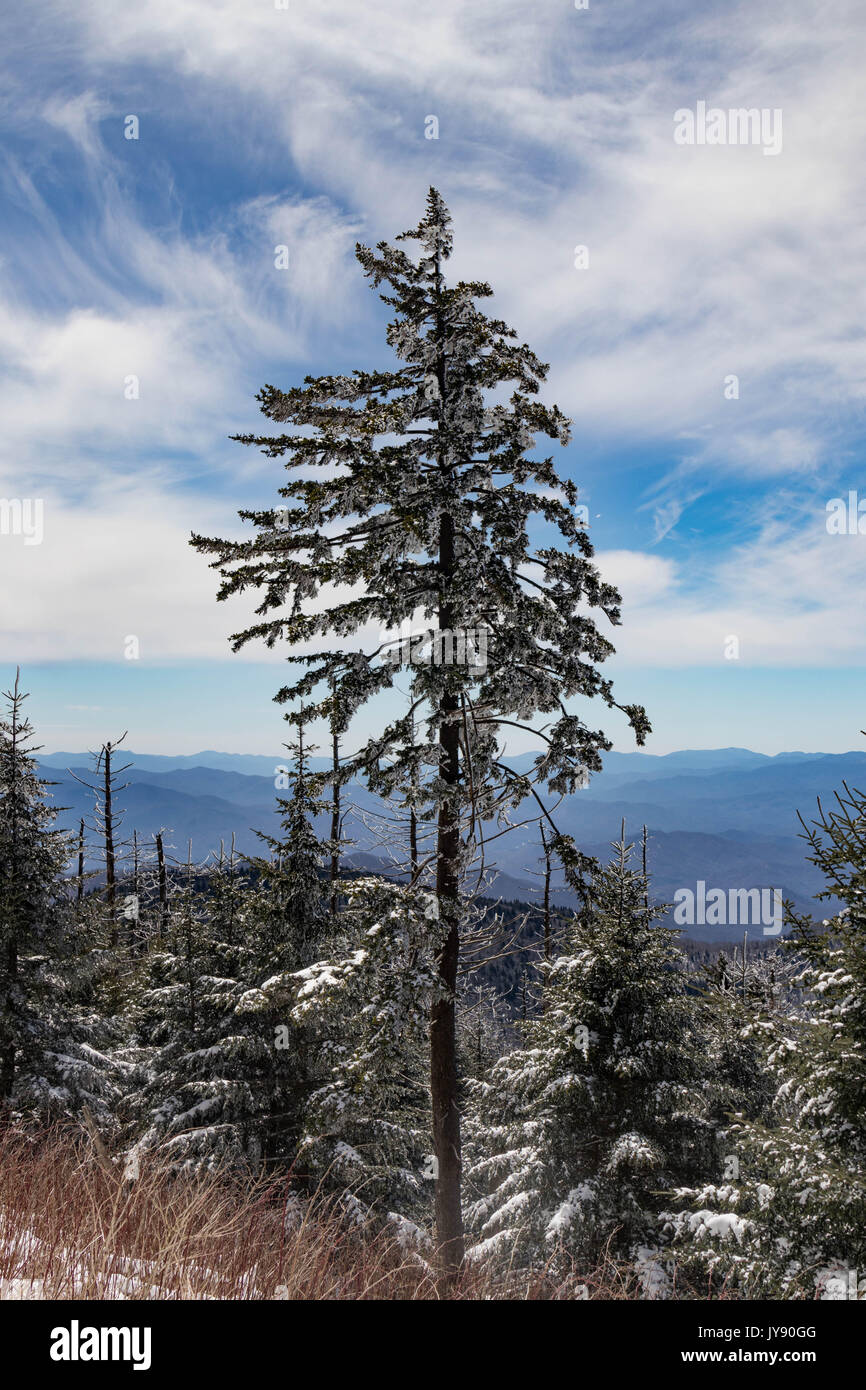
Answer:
(641, 578)
(105, 572)
(123, 567)
(556, 130)
(78, 118)
(791, 595)
(199, 315)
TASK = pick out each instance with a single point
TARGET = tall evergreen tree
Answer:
(423, 506)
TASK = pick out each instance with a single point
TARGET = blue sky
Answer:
(305, 127)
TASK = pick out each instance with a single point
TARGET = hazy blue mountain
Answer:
(760, 801)
(726, 817)
(628, 765)
(248, 764)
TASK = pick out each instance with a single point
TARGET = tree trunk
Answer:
(7, 1059)
(188, 910)
(163, 890)
(443, 1038)
(135, 934)
(414, 861)
(335, 822)
(443, 1043)
(548, 936)
(110, 890)
(231, 921)
(80, 890)
(413, 843)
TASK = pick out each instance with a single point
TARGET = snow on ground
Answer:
(109, 1275)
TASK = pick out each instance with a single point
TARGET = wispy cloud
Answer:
(305, 127)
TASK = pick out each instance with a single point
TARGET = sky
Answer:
(707, 342)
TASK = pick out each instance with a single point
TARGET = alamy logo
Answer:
(22, 516)
(738, 126)
(846, 517)
(742, 907)
(462, 646)
(838, 1283)
(77, 1343)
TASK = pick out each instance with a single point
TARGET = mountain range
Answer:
(725, 817)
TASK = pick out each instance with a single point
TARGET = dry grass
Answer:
(71, 1226)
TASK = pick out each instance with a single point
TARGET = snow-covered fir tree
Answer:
(293, 926)
(575, 1134)
(224, 1074)
(294, 917)
(485, 1030)
(200, 1089)
(32, 857)
(792, 1215)
(416, 490)
(53, 1061)
(366, 1126)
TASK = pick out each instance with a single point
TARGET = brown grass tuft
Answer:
(73, 1227)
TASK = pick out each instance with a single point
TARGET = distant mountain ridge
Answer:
(634, 764)
(727, 817)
